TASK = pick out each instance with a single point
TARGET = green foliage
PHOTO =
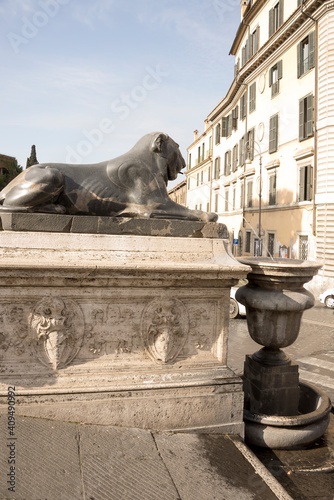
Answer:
(12, 169)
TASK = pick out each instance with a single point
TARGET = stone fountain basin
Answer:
(280, 432)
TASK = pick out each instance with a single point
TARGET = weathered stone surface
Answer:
(124, 330)
(271, 390)
(111, 225)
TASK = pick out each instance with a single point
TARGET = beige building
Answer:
(269, 173)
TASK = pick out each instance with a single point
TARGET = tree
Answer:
(10, 169)
(32, 160)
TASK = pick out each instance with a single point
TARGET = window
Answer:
(189, 161)
(235, 116)
(203, 152)
(227, 163)
(250, 144)
(251, 46)
(226, 200)
(217, 168)
(216, 202)
(242, 195)
(227, 126)
(209, 174)
(252, 97)
(198, 154)
(202, 176)
(305, 183)
(306, 117)
(236, 68)
(235, 158)
(275, 17)
(303, 247)
(188, 182)
(273, 134)
(272, 189)
(197, 179)
(234, 197)
(275, 75)
(243, 106)
(218, 134)
(242, 151)
(210, 145)
(306, 54)
(249, 194)
(271, 245)
(248, 241)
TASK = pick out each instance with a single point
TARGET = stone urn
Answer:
(275, 300)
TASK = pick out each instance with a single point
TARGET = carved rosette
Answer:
(164, 328)
(57, 328)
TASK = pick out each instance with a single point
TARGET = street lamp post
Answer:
(253, 143)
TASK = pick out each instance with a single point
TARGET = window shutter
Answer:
(308, 183)
(311, 56)
(209, 173)
(256, 39)
(273, 134)
(301, 120)
(251, 144)
(271, 22)
(229, 125)
(242, 190)
(299, 59)
(309, 124)
(271, 71)
(243, 56)
(224, 126)
(279, 69)
(302, 184)
(280, 13)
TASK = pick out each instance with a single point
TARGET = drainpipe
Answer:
(316, 95)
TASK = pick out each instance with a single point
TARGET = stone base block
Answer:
(271, 390)
(119, 329)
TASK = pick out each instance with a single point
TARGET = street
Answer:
(313, 351)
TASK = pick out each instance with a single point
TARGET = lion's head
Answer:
(169, 151)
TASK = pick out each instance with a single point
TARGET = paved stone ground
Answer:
(306, 474)
(72, 461)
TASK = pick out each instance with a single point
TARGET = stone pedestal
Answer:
(271, 390)
(120, 329)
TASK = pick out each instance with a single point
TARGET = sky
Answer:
(83, 80)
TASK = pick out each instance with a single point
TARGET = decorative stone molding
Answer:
(272, 164)
(303, 153)
(57, 328)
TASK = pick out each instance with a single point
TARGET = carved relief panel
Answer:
(164, 329)
(57, 329)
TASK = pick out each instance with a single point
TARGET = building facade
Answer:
(270, 172)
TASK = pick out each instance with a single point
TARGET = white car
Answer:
(327, 298)
(235, 306)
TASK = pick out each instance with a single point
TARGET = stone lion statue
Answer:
(132, 185)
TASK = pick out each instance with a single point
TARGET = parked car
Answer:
(235, 306)
(327, 298)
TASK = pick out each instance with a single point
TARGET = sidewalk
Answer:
(71, 461)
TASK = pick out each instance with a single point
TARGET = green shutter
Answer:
(279, 69)
(224, 126)
(302, 184)
(300, 64)
(301, 120)
(311, 48)
(309, 182)
(271, 22)
(280, 13)
(273, 134)
(309, 123)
